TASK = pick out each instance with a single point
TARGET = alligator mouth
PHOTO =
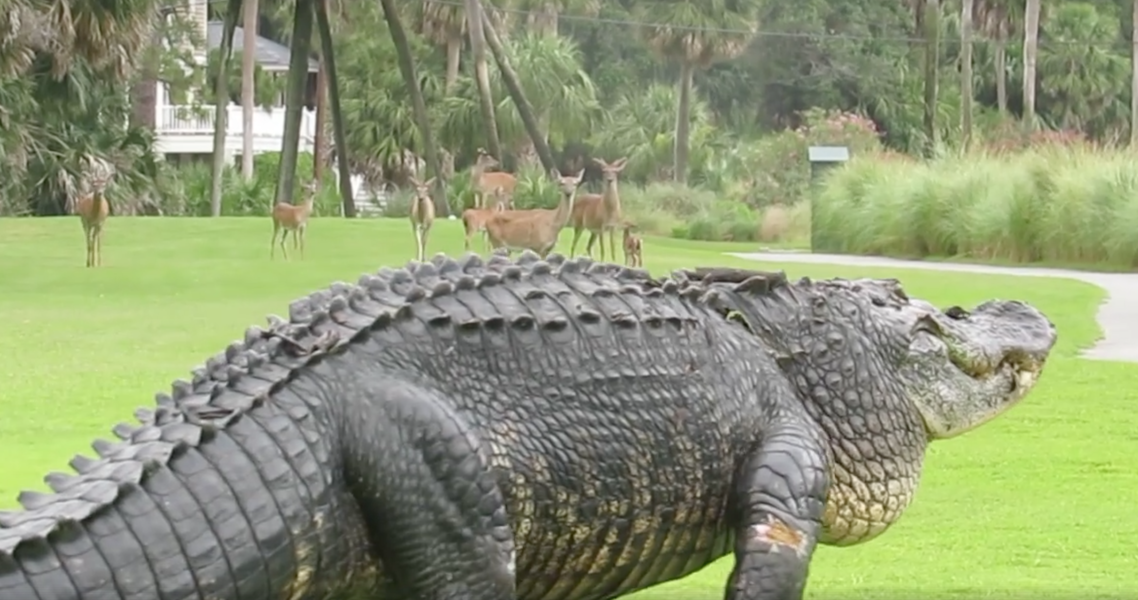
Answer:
(1017, 370)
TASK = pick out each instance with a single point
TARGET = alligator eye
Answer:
(955, 312)
(928, 324)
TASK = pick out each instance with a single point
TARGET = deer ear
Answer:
(619, 164)
(600, 162)
(429, 182)
(554, 173)
(414, 180)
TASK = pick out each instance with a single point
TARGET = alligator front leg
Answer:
(433, 506)
(780, 494)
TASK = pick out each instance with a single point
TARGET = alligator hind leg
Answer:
(780, 493)
(433, 507)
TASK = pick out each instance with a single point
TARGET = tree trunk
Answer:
(1002, 73)
(248, 95)
(294, 98)
(332, 82)
(1134, 74)
(221, 110)
(931, 30)
(454, 56)
(966, 72)
(683, 123)
(144, 102)
(474, 24)
(319, 156)
(418, 105)
(1030, 51)
(510, 78)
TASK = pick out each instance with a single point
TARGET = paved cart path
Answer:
(1118, 315)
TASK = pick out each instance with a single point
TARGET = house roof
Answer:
(269, 54)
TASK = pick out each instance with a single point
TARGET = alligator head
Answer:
(883, 374)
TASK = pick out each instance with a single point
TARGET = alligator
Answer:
(497, 429)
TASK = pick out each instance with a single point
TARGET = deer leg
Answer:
(273, 242)
(589, 244)
(576, 238)
(87, 243)
(612, 244)
(97, 230)
(302, 230)
(284, 238)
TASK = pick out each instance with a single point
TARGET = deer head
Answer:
(567, 184)
(485, 161)
(423, 188)
(628, 227)
(610, 170)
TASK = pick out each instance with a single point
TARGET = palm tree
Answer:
(1134, 73)
(445, 25)
(411, 80)
(543, 14)
(996, 20)
(476, 27)
(1030, 54)
(221, 108)
(248, 81)
(694, 34)
(966, 7)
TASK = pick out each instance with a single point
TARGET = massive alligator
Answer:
(540, 430)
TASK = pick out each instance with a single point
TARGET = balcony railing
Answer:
(196, 121)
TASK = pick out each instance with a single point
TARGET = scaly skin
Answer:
(557, 430)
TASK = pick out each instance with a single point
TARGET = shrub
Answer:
(1062, 204)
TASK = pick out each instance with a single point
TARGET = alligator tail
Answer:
(227, 490)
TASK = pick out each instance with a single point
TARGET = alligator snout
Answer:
(1002, 332)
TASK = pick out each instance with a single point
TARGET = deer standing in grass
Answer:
(534, 229)
(422, 215)
(633, 247)
(294, 218)
(92, 208)
(474, 219)
(599, 213)
(484, 182)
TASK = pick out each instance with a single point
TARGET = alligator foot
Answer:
(780, 496)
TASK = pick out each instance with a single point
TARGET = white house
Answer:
(183, 133)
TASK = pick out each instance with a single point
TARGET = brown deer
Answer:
(422, 216)
(483, 182)
(599, 213)
(474, 219)
(92, 208)
(633, 246)
(535, 229)
(294, 218)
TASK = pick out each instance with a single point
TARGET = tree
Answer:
(303, 17)
(966, 95)
(221, 106)
(248, 81)
(411, 80)
(445, 25)
(332, 82)
(695, 34)
(928, 24)
(482, 75)
(1030, 53)
(1134, 73)
(543, 14)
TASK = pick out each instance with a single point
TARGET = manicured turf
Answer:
(1037, 504)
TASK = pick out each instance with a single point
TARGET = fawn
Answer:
(422, 215)
(484, 182)
(633, 247)
(92, 207)
(294, 218)
(474, 219)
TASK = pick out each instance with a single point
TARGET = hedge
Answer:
(1057, 205)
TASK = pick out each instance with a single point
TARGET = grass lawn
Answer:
(1036, 504)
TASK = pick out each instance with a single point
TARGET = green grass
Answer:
(1038, 503)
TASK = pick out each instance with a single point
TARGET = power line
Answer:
(793, 35)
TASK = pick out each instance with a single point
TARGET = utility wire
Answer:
(794, 35)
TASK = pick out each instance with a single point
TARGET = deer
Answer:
(422, 216)
(474, 219)
(599, 212)
(483, 181)
(633, 246)
(536, 229)
(92, 208)
(294, 218)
